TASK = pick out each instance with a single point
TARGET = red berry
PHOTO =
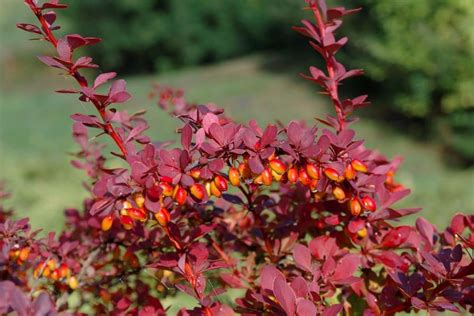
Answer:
(154, 192)
(304, 177)
(221, 183)
(369, 203)
(167, 189)
(126, 221)
(137, 214)
(179, 195)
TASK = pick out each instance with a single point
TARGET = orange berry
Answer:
(277, 176)
(163, 217)
(207, 185)
(362, 233)
(107, 222)
(355, 207)
(24, 253)
(339, 193)
(369, 203)
(221, 183)
(312, 171)
(126, 221)
(73, 283)
(313, 184)
(195, 173)
(139, 200)
(198, 191)
(349, 172)
(234, 177)
(179, 195)
(167, 189)
(126, 204)
(332, 174)
(214, 190)
(292, 175)
(55, 275)
(359, 165)
(278, 166)
(51, 264)
(137, 214)
(244, 170)
(304, 177)
(267, 178)
(46, 272)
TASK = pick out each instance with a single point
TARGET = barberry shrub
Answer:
(298, 219)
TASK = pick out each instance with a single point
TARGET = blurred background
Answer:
(243, 56)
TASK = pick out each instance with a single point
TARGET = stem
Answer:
(81, 80)
(330, 61)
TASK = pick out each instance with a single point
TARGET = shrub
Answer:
(299, 219)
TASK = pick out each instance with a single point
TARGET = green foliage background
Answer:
(418, 54)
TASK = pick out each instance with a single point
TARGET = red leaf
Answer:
(396, 237)
(346, 267)
(302, 257)
(285, 296)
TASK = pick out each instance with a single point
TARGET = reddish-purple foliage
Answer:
(297, 217)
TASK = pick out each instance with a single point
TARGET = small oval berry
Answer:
(278, 166)
(221, 183)
(63, 270)
(107, 222)
(312, 170)
(355, 207)
(195, 173)
(313, 185)
(179, 195)
(167, 189)
(304, 177)
(139, 200)
(267, 178)
(234, 177)
(214, 190)
(198, 191)
(163, 217)
(359, 166)
(277, 176)
(292, 175)
(24, 253)
(137, 214)
(369, 203)
(349, 172)
(362, 233)
(73, 283)
(339, 193)
(332, 174)
(126, 221)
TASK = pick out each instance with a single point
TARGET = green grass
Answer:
(35, 136)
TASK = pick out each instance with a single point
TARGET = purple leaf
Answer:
(302, 257)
